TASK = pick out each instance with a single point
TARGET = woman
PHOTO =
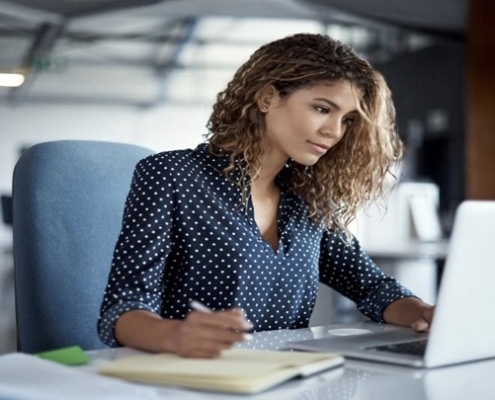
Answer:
(248, 223)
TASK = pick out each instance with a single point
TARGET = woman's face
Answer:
(304, 125)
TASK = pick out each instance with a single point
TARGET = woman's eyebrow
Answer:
(335, 105)
(329, 102)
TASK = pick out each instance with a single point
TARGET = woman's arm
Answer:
(198, 335)
(410, 312)
(131, 307)
(349, 270)
(135, 281)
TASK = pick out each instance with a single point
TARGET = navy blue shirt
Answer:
(187, 235)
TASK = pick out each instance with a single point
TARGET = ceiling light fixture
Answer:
(11, 79)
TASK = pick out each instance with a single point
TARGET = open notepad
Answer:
(237, 370)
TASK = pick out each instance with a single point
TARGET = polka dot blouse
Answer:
(186, 235)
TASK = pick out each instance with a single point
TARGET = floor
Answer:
(7, 309)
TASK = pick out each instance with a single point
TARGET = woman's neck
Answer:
(269, 171)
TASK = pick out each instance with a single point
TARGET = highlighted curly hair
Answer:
(352, 172)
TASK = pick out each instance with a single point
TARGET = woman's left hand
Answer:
(424, 319)
(410, 312)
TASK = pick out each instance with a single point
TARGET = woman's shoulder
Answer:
(168, 157)
(171, 160)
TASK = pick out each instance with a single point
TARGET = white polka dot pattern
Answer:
(185, 235)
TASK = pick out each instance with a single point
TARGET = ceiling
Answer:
(126, 51)
(438, 17)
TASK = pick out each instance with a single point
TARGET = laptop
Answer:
(464, 323)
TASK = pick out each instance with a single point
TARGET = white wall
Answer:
(161, 128)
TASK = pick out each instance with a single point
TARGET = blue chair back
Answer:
(68, 199)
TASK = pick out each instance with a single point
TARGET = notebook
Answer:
(463, 326)
(236, 371)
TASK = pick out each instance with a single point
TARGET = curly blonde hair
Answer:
(352, 172)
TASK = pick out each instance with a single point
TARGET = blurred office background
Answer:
(147, 72)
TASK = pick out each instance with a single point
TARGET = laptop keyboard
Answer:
(417, 348)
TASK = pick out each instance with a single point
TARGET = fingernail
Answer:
(247, 336)
(421, 326)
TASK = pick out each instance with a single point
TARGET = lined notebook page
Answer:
(237, 370)
(234, 363)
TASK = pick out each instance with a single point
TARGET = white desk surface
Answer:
(358, 380)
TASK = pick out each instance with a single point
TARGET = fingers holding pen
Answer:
(205, 334)
(216, 328)
(229, 320)
(234, 318)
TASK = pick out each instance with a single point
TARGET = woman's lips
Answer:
(319, 147)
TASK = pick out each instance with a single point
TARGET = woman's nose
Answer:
(333, 128)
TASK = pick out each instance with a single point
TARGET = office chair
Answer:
(6, 209)
(68, 199)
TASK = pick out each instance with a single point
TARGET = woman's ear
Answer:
(267, 98)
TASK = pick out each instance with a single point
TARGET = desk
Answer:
(359, 380)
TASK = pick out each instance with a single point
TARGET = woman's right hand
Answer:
(205, 335)
(200, 334)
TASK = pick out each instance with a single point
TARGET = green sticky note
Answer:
(73, 355)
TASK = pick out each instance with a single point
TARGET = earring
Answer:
(264, 109)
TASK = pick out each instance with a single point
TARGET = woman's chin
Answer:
(307, 160)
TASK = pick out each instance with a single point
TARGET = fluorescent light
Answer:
(11, 79)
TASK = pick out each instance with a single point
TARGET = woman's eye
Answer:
(322, 110)
(348, 121)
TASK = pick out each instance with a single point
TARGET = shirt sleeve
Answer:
(136, 275)
(346, 268)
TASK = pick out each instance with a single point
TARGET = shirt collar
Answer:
(220, 161)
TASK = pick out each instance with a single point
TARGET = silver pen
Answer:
(197, 306)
